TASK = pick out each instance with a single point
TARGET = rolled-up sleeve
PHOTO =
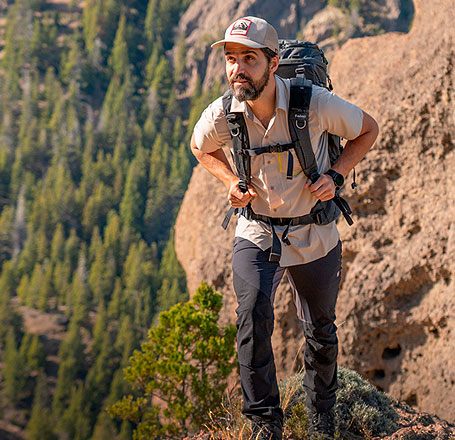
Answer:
(336, 115)
(211, 132)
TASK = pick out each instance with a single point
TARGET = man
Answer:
(313, 257)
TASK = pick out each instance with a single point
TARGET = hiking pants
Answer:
(315, 289)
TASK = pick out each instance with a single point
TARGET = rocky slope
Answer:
(396, 309)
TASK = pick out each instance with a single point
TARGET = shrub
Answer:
(180, 372)
(360, 408)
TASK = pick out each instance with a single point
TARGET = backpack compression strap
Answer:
(240, 142)
(299, 111)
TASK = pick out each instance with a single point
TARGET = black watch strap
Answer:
(338, 179)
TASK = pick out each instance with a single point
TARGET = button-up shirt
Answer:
(277, 195)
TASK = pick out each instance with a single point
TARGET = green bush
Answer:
(180, 373)
(360, 408)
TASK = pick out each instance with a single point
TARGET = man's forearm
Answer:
(217, 164)
(355, 150)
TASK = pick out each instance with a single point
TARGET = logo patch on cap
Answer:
(241, 27)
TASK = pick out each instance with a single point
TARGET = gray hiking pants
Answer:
(315, 289)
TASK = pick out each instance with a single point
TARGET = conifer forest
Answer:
(94, 163)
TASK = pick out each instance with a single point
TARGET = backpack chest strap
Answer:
(278, 148)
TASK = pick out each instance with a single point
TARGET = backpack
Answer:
(305, 64)
(305, 58)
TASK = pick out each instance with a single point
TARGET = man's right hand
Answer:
(237, 198)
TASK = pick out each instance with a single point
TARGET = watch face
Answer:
(338, 179)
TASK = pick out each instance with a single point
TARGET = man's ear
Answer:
(274, 63)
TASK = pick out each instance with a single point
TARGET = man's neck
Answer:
(264, 106)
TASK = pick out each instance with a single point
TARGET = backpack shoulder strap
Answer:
(298, 118)
(240, 141)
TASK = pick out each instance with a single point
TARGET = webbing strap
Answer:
(275, 251)
(306, 219)
(240, 141)
(278, 148)
(290, 166)
(344, 207)
(228, 216)
(299, 109)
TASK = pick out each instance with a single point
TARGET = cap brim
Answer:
(243, 41)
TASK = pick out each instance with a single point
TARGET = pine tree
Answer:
(34, 286)
(36, 356)
(140, 280)
(46, 291)
(173, 287)
(58, 244)
(104, 427)
(13, 370)
(100, 374)
(112, 239)
(118, 303)
(99, 330)
(72, 64)
(118, 61)
(10, 319)
(133, 201)
(71, 365)
(127, 340)
(74, 423)
(102, 274)
(79, 301)
(40, 426)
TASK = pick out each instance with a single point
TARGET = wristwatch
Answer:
(338, 179)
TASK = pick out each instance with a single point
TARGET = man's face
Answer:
(247, 70)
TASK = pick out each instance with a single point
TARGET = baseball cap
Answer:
(252, 32)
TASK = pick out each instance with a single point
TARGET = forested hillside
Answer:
(93, 166)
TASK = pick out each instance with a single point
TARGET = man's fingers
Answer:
(239, 199)
(252, 191)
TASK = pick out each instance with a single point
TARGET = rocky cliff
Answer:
(396, 309)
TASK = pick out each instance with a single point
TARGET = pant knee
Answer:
(255, 322)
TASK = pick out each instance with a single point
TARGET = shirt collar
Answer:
(281, 100)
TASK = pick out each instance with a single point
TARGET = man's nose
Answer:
(238, 67)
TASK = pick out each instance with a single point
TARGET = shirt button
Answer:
(274, 209)
(272, 188)
(269, 162)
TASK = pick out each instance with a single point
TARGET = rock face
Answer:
(396, 308)
(205, 22)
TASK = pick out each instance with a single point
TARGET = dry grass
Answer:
(230, 424)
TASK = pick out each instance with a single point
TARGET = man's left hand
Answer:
(323, 188)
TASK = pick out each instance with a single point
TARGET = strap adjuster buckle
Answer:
(275, 148)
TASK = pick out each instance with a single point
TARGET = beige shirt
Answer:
(278, 196)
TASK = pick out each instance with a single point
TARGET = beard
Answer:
(250, 90)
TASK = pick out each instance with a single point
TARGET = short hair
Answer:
(269, 53)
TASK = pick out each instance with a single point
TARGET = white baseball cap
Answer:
(252, 32)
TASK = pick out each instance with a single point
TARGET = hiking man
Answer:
(271, 196)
